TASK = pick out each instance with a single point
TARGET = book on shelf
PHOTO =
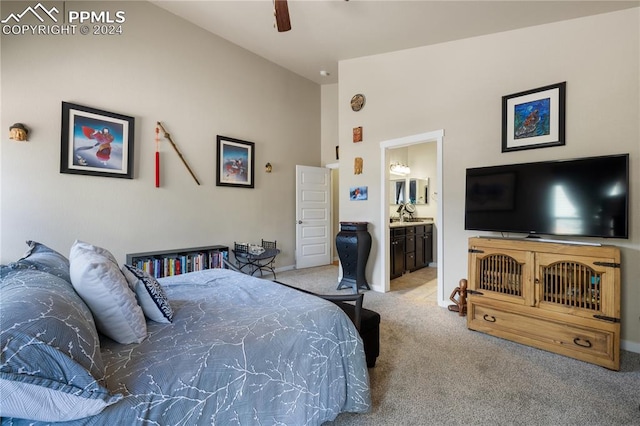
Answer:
(160, 266)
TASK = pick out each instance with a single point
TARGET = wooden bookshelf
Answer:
(165, 263)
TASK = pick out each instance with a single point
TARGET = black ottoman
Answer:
(369, 325)
(369, 330)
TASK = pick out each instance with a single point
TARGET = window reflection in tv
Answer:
(492, 192)
(581, 197)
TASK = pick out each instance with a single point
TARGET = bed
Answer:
(239, 350)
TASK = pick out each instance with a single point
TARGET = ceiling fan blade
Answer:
(283, 22)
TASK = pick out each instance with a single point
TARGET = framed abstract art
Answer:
(534, 119)
(235, 162)
(96, 142)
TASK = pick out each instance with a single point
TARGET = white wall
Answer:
(423, 163)
(329, 141)
(329, 123)
(458, 87)
(160, 69)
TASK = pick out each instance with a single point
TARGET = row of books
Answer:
(166, 266)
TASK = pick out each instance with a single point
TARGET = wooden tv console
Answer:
(563, 298)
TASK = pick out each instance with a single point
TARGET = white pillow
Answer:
(96, 277)
(150, 295)
(51, 401)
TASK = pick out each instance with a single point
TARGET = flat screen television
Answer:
(584, 197)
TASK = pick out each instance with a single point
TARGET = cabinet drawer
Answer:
(397, 232)
(410, 244)
(585, 343)
(410, 261)
(424, 229)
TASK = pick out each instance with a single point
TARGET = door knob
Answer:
(299, 222)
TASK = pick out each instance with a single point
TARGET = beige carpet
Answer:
(432, 370)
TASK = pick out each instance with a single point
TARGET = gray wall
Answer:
(160, 69)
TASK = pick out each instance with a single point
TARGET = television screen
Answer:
(586, 197)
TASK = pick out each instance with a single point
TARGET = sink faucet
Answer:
(401, 211)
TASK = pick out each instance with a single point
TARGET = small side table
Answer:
(263, 262)
(353, 243)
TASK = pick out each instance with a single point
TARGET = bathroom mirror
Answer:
(419, 191)
(397, 189)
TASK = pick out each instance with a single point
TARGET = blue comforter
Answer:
(240, 351)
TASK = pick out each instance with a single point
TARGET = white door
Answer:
(313, 216)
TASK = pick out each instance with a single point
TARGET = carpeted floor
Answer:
(432, 370)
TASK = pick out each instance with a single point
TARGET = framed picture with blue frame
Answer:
(534, 118)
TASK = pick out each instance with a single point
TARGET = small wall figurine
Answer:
(357, 134)
(18, 132)
(357, 166)
(461, 302)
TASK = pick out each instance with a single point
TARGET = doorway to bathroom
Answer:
(415, 145)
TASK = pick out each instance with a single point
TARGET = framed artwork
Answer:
(96, 142)
(235, 162)
(534, 119)
(358, 193)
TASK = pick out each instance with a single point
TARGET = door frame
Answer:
(436, 136)
(332, 167)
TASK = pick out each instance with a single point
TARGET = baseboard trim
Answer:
(286, 268)
(630, 346)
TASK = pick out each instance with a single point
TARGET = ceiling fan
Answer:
(281, 11)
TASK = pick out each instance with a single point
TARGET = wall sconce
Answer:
(268, 168)
(18, 132)
(399, 169)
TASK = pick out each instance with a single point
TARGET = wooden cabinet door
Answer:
(501, 274)
(397, 256)
(424, 251)
(410, 261)
(410, 250)
(420, 263)
(585, 286)
(427, 242)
